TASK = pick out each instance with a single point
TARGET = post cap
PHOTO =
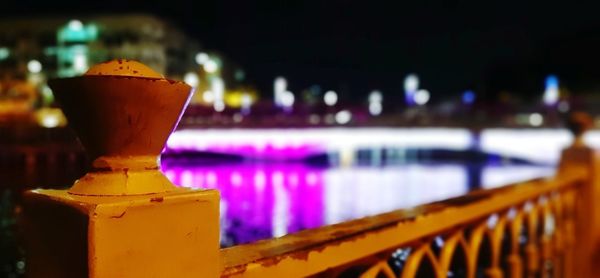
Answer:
(123, 67)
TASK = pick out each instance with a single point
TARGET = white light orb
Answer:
(375, 108)
(343, 117)
(202, 58)
(191, 78)
(411, 83)
(330, 98)
(34, 66)
(421, 97)
(210, 66)
(536, 119)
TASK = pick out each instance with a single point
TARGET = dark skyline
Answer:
(359, 46)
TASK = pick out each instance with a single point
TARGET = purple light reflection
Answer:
(261, 201)
(258, 201)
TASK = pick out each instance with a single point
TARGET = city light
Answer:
(219, 106)
(217, 86)
(208, 96)
(279, 89)
(375, 103)
(343, 117)
(375, 96)
(551, 91)
(330, 98)
(211, 66)
(4, 53)
(411, 85)
(191, 78)
(202, 58)
(75, 25)
(375, 108)
(287, 99)
(468, 97)
(421, 97)
(80, 64)
(536, 119)
(34, 66)
(246, 103)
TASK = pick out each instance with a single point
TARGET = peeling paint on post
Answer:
(124, 218)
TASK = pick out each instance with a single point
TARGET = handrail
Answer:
(314, 251)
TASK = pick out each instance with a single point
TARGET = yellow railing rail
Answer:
(513, 231)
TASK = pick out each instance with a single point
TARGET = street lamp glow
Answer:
(4, 53)
(80, 62)
(202, 58)
(191, 78)
(375, 108)
(343, 117)
(217, 86)
(75, 25)
(330, 98)
(219, 106)
(375, 96)
(536, 119)
(287, 99)
(551, 92)
(208, 96)
(279, 89)
(34, 66)
(468, 97)
(411, 83)
(421, 97)
(211, 66)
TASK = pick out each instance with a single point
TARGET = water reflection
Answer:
(273, 199)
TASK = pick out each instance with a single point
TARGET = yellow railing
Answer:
(125, 219)
(516, 231)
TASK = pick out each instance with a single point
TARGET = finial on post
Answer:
(123, 113)
(578, 123)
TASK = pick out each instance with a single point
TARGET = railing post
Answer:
(579, 158)
(124, 218)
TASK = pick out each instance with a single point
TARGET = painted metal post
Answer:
(579, 157)
(124, 218)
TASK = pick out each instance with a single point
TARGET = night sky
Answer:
(356, 46)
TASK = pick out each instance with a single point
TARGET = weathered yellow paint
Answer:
(173, 234)
(315, 251)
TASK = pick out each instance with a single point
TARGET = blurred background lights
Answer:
(34, 66)
(551, 91)
(80, 64)
(421, 97)
(468, 97)
(287, 99)
(191, 78)
(219, 106)
(375, 108)
(4, 53)
(210, 66)
(330, 98)
(75, 25)
(536, 119)
(202, 58)
(411, 83)
(279, 89)
(246, 103)
(564, 106)
(375, 96)
(375, 103)
(343, 117)
(208, 96)
(217, 86)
